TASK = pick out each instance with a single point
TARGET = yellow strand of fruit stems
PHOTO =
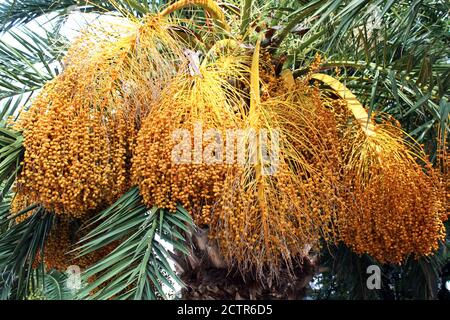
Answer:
(353, 104)
(254, 118)
(255, 99)
(209, 5)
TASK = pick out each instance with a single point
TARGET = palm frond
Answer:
(139, 268)
(17, 12)
(404, 74)
(29, 58)
(11, 155)
(5, 205)
(21, 245)
(55, 286)
(419, 278)
(345, 277)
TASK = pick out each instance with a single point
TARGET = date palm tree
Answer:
(129, 242)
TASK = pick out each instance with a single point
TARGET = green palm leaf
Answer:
(20, 245)
(55, 286)
(11, 156)
(139, 267)
(17, 12)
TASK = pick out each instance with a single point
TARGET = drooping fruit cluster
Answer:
(59, 248)
(178, 159)
(72, 159)
(61, 241)
(19, 202)
(310, 121)
(392, 205)
(80, 130)
(262, 225)
(311, 130)
(270, 209)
